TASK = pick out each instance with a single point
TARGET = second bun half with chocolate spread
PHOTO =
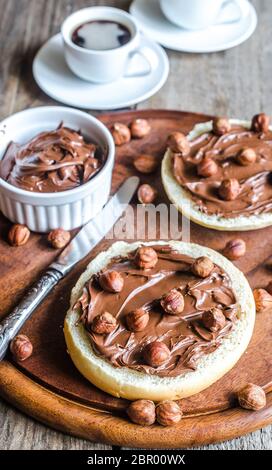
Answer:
(224, 180)
(196, 349)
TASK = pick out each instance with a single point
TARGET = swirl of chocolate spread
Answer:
(255, 195)
(52, 161)
(184, 334)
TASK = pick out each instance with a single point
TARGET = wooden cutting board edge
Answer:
(95, 425)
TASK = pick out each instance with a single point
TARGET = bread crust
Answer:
(130, 384)
(184, 203)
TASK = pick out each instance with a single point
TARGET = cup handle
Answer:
(242, 10)
(150, 58)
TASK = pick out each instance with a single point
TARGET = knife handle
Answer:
(11, 324)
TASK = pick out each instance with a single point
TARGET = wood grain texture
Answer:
(236, 82)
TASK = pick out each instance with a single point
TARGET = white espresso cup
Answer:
(103, 66)
(200, 14)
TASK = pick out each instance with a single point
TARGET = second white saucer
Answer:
(215, 38)
(55, 78)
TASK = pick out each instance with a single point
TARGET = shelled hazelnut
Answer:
(59, 238)
(247, 157)
(142, 412)
(120, 133)
(263, 300)
(221, 126)
(156, 353)
(146, 194)
(111, 281)
(18, 235)
(229, 189)
(145, 257)
(208, 167)
(140, 128)
(214, 319)
(21, 347)
(252, 397)
(146, 163)
(235, 248)
(168, 413)
(173, 302)
(104, 324)
(260, 123)
(202, 266)
(178, 143)
(137, 320)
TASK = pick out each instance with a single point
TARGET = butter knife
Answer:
(86, 239)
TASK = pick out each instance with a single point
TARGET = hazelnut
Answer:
(59, 238)
(235, 248)
(139, 128)
(251, 397)
(260, 123)
(104, 324)
(214, 319)
(146, 194)
(111, 281)
(142, 412)
(173, 302)
(202, 266)
(263, 299)
(208, 167)
(221, 126)
(247, 157)
(146, 163)
(178, 143)
(156, 353)
(137, 320)
(229, 189)
(168, 413)
(120, 133)
(21, 347)
(18, 235)
(145, 257)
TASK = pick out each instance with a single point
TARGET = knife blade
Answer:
(86, 239)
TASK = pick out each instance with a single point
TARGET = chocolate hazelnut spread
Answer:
(233, 154)
(184, 334)
(52, 161)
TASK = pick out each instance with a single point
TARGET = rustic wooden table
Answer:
(236, 83)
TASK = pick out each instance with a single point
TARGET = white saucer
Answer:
(215, 38)
(55, 78)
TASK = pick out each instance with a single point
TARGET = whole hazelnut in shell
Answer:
(137, 320)
(252, 397)
(260, 123)
(168, 413)
(208, 167)
(59, 238)
(21, 347)
(111, 281)
(221, 126)
(202, 266)
(229, 189)
(146, 194)
(173, 302)
(247, 157)
(142, 412)
(146, 163)
(156, 353)
(178, 143)
(104, 324)
(145, 257)
(120, 133)
(18, 235)
(140, 128)
(235, 248)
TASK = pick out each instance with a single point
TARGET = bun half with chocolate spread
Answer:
(160, 320)
(222, 179)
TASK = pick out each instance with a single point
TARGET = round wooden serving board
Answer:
(49, 388)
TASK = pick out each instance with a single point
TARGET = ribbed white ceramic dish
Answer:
(42, 212)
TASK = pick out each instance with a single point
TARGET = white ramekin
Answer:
(42, 212)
